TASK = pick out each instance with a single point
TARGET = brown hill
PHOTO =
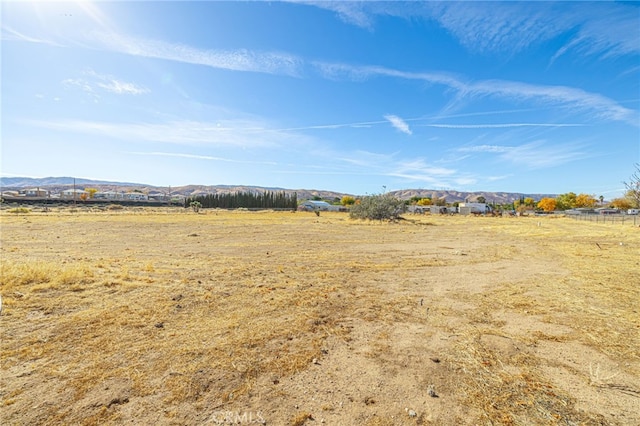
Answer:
(58, 184)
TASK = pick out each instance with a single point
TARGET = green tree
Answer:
(378, 207)
(566, 201)
(481, 199)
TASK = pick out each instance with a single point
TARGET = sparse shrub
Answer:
(195, 205)
(20, 210)
(378, 207)
(115, 207)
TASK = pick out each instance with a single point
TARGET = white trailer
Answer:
(473, 208)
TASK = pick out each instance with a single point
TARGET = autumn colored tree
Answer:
(621, 203)
(547, 204)
(566, 201)
(530, 202)
(585, 200)
(347, 200)
(91, 192)
(424, 202)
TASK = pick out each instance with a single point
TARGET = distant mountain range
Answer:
(57, 184)
(26, 182)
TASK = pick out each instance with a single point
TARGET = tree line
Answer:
(249, 200)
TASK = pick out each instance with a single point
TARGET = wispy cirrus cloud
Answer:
(198, 157)
(562, 96)
(532, 155)
(269, 62)
(91, 81)
(603, 28)
(419, 170)
(500, 125)
(230, 133)
(236, 60)
(398, 123)
(10, 34)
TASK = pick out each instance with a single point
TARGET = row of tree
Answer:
(249, 200)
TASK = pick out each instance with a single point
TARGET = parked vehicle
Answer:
(633, 211)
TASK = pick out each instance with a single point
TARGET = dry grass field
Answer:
(169, 317)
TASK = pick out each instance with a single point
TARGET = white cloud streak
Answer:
(499, 125)
(532, 155)
(183, 132)
(236, 60)
(91, 81)
(398, 123)
(9, 34)
(563, 96)
(609, 29)
(198, 157)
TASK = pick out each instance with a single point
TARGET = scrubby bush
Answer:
(20, 210)
(378, 207)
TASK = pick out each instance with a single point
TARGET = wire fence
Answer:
(621, 219)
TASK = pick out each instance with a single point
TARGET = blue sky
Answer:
(355, 97)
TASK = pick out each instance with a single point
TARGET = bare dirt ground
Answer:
(168, 317)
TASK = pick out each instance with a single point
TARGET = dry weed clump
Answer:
(509, 390)
(37, 276)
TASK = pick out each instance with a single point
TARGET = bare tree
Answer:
(633, 187)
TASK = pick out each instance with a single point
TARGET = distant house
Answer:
(473, 208)
(158, 196)
(604, 210)
(109, 195)
(136, 196)
(10, 194)
(36, 192)
(73, 194)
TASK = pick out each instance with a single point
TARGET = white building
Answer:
(313, 205)
(36, 192)
(73, 194)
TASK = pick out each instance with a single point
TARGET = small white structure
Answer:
(73, 194)
(633, 211)
(473, 208)
(313, 205)
(109, 195)
(135, 196)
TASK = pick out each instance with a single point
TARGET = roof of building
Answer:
(317, 203)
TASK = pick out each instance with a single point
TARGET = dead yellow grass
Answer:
(179, 315)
